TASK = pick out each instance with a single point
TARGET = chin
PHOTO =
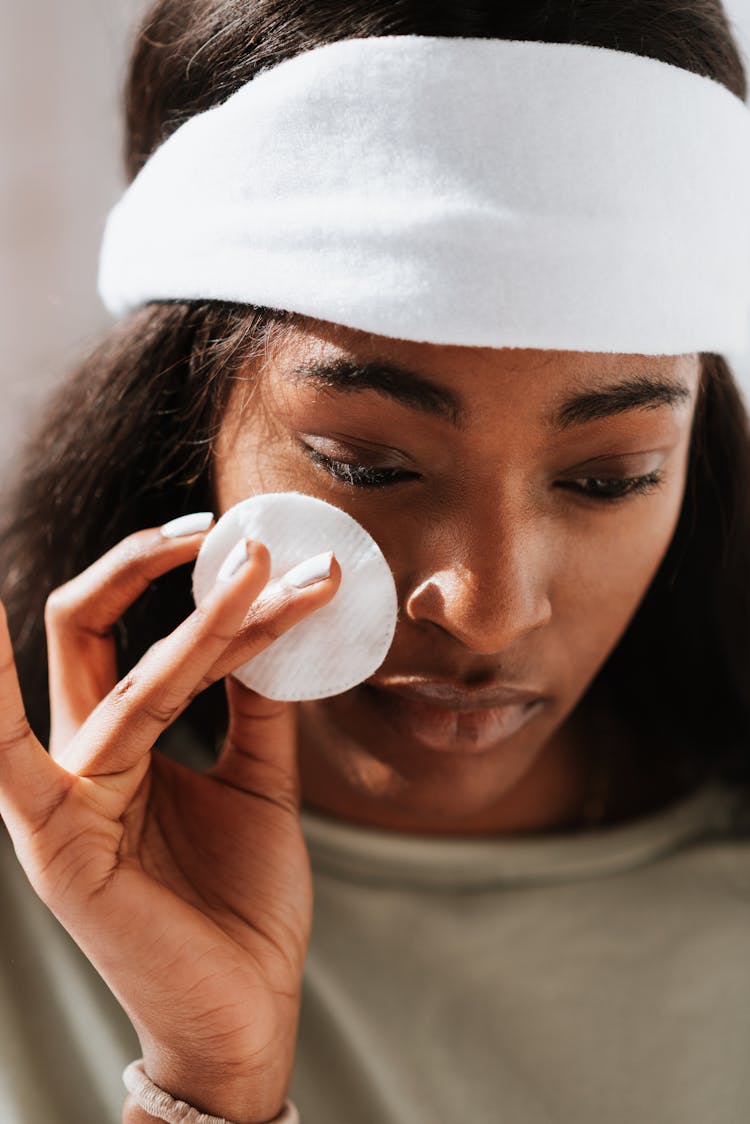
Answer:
(375, 770)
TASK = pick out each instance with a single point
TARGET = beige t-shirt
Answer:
(575, 979)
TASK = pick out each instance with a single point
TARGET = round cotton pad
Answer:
(339, 645)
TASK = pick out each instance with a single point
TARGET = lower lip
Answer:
(451, 731)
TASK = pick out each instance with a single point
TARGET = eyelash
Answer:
(362, 476)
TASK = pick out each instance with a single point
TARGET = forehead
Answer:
(345, 357)
(304, 338)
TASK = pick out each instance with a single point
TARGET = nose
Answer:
(486, 586)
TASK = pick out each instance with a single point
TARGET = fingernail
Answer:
(188, 524)
(236, 558)
(312, 570)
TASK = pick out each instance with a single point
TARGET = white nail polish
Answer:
(312, 570)
(236, 558)
(187, 524)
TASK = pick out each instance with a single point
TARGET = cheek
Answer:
(609, 569)
(248, 465)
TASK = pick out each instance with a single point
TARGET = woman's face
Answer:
(482, 474)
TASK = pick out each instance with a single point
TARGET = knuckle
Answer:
(57, 604)
(141, 568)
(127, 688)
(204, 684)
(200, 616)
(273, 624)
(159, 712)
(156, 651)
(129, 693)
(137, 553)
(66, 608)
(219, 637)
(264, 625)
(266, 631)
(135, 681)
(203, 623)
(131, 568)
(129, 557)
(131, 549)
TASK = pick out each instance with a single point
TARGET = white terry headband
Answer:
(484, 192)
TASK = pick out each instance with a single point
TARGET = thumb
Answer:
(259, 754)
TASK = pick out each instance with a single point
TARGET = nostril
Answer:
(425, 602)
(485, 622)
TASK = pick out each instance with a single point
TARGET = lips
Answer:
(455, 697)
(446, 718)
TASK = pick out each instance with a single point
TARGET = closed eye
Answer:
(606, 489)
(360, 475)
(609, 489)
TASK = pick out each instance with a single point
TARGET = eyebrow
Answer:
(415, 391)
(635, 392)
(406, 387)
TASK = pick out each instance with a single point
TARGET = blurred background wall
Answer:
(61, 69)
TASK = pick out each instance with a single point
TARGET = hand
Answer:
(190, 893)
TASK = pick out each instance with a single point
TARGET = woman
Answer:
(587, 577)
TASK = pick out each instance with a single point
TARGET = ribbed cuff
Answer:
(157, 1102)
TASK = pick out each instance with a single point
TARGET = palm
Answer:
(190, 893)
(202, 880)
(236, 856)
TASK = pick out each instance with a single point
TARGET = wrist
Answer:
(224, 1076)
(181, 1097)
(132, 1113)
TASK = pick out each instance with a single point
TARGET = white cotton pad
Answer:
(339, 645)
